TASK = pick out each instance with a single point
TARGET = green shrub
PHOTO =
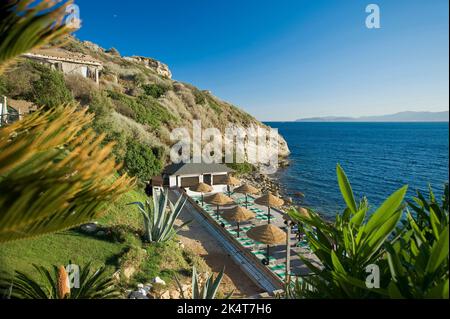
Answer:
(154, 90)
(50, 89)
(100, 104)
(82, 88)
(242, 168)
(213, 104)
(18, 82)
(146, 109)
(200, 97)
(141, 161)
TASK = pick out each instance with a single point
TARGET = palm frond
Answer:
(53, 174)
(27, 24)
(94, 284)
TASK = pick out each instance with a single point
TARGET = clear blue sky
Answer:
(288, 59)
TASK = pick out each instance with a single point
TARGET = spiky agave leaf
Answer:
(27, 24)
(209, 288)
(159, 219)
(53, 174)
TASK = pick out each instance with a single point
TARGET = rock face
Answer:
(160, 68)
(94, 47)
(180, 103)
(283, 149)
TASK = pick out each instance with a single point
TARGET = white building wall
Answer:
(172, 181)
(216, 188)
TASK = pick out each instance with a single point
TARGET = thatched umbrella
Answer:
(247, 189)
(219, 199)
(267, 234)
(201, 188)
(269, 200)
(238, 214)
(231, 181)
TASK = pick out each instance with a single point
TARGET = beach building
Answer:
(68, 62)
(186, 175)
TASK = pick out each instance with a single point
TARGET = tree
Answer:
(50, 89)
(141, 161)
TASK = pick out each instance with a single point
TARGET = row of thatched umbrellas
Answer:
(267, 234)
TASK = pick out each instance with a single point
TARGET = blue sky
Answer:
(289, 59)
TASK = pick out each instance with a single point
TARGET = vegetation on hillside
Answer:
(133, 103)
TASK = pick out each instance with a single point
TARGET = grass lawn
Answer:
(119, 213)
(58, 249)
(150, 260)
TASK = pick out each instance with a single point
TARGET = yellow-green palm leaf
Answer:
(53, 174)
(26, 24)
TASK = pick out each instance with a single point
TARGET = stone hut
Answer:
(68, 62)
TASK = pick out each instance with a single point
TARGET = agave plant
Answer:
(27, 24)
(345, 248)
(159, 219)
(419, 260)
(54, 284)
(209, 288)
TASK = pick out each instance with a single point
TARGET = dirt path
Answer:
(199, 240)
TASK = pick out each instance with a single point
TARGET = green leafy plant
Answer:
(206, 291)
(348, 246)
(419, 260)
(144, 109)
(141, 161)
(50, 89)
(53, 284)
(154, 90)
(159, 218)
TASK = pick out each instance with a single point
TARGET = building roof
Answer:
(21, 106)
(63, 55)
(157, 181)
(196, 168)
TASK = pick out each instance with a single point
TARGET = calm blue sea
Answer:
(378, 158)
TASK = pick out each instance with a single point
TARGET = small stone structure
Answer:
(68, 62)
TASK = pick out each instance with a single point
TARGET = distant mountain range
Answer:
(397, 117)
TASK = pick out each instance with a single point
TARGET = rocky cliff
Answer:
(138, 98)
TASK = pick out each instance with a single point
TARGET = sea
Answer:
(378, 158)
